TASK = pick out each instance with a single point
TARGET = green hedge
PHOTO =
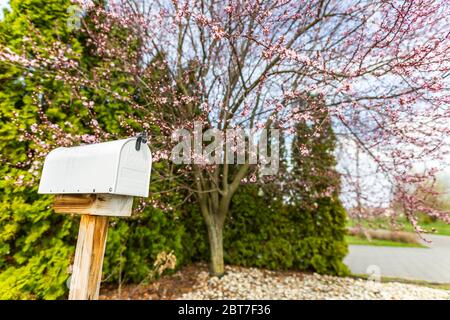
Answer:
(263, 232)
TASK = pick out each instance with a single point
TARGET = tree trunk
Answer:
(216, 266)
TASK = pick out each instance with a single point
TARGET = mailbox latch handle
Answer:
(141, 138)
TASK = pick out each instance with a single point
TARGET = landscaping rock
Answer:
(250, 283)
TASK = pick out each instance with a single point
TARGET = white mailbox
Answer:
(118, 167)
(96, 181)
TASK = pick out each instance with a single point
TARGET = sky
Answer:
(3, 4)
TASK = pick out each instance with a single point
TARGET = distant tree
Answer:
(434, 195)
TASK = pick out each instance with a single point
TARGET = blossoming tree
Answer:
(381, 68)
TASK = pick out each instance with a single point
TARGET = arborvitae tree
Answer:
(300, 224)
(34, 250)
(315, 183)
(313, 172)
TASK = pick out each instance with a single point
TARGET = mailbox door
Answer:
(134, 170)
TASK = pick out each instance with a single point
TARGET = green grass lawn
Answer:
(376, 242)
(440, 227)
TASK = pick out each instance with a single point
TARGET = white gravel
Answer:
(250, 283)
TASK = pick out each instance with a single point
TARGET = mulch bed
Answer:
(167, 287)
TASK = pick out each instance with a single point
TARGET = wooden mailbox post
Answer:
(96, 181)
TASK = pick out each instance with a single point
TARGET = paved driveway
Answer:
(430, 264)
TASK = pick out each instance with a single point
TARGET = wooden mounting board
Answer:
(94, 204)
